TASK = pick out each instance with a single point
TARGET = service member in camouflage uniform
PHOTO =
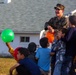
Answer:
(57, 22)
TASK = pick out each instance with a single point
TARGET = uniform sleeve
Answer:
(50, 21)
(57, 24)
(64, 22)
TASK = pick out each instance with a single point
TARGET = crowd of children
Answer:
(59, 57)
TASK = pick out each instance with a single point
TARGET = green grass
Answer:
(5, 64)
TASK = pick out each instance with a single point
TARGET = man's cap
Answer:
(59, 6)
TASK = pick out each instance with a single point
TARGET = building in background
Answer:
(27, 18)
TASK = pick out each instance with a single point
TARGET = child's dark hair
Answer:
(63, 30)
(24, 51)
(43, 42)
(72, 19)
(32, 47)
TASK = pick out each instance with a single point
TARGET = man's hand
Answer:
(50, 29)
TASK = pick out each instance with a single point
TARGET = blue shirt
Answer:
(43, 55)
(31, 66)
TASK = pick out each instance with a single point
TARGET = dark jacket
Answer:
(70, 40)
(57, 23)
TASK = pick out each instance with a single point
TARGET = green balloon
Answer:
(7, 35)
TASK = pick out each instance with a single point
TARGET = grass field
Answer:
(5, 64)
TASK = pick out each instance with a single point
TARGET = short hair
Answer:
(63, 30)
(43, 42)
(72, 19)
(32, 47)
(24, 51)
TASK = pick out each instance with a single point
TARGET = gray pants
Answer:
(44, 72)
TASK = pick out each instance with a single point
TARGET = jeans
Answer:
(66, 65)
(53, 59)
(57, 69)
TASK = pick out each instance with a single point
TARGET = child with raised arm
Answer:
(29, 66)
(11, 50)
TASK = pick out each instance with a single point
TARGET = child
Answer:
(14, 53)
(43, 56)
(70, 40)
(59, 49)
(32, 48)
(28, 64)
(49, 33)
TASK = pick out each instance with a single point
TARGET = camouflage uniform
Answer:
(58, 23)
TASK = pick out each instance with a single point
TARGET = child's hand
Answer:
(11, 50)
(8, 45)
(52, 53)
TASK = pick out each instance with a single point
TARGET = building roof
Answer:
(30, 15)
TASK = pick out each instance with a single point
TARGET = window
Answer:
(24, 39)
